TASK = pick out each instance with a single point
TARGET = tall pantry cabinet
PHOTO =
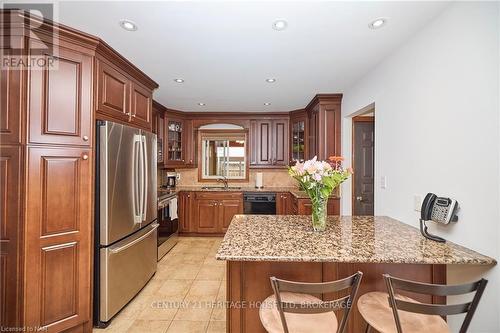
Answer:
(47, 176)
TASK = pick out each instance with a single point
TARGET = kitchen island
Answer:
(259, 246)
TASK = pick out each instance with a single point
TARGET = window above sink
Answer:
(223, 154)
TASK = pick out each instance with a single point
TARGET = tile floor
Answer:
(185, 295)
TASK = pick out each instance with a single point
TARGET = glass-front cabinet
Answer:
(298, 140)
(175, 141)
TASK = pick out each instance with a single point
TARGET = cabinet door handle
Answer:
(85, 138)
(85, 157)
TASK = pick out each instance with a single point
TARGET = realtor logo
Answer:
(40, 49)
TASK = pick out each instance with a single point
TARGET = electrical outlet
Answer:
(383, 182)
(417, 202)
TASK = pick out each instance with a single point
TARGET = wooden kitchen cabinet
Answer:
(47, 157)
(186, 212)
(299, 136)
(207, 215)
(10, 234)
(190, 146)
(113, 92)
(141, 106)
(60, 100)
(58, 237)
(324, 126)
(215, 210)
(120, 96)
(11, 97)
(284, 203)
(227, 209)
(303, 206)
(179, 144)
(269, 142)
(158, 127)
(174, 142)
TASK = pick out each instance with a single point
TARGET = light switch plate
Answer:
(383, 182)
(417, 202)
(178, 176)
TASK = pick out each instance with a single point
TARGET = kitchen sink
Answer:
(220, 188)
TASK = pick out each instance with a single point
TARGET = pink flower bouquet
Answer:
(318, 179)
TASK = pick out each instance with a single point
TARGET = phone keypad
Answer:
(439, 213)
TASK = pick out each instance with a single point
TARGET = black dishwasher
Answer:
(262, 203)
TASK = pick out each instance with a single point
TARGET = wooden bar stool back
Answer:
(397, 303)
(286, 310)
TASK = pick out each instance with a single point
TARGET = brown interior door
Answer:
(363, 160)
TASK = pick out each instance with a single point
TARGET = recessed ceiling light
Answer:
(270, 80)
(179, 80)
(378, 23)
(267, 103)
(201, 104)
(280, 25)
(128, 25)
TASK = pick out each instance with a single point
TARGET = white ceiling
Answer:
(226, 50)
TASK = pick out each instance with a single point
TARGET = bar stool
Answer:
(292, 307)
(380, 310)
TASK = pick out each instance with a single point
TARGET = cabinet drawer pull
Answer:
(85, 138)
(85, 157)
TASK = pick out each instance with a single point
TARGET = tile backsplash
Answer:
(271, 177)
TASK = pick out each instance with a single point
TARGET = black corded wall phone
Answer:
(437, 209)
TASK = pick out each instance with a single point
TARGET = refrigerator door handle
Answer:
(145, 171)
(135, 241)
(137, 147)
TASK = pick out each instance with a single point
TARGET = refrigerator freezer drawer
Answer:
(126, 267)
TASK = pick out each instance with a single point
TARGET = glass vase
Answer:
(319, 213)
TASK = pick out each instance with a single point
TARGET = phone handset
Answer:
(437, 209)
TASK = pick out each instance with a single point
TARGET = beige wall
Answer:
(274, 177)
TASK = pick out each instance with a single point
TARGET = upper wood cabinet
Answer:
(58, 237)
(60, 100)
(158, 127)
(113, 92)
(122, 98)
(179, 146)
(324, 117)
(141, 106)
(11, 97)
(269, 143)
(174, 142)
(299, 136)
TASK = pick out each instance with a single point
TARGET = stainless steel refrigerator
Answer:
(126, 216)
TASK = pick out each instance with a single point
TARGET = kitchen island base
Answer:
(248, 285)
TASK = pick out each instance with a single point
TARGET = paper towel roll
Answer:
(258, 180)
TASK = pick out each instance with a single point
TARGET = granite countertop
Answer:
(235, 188)
(354, 239)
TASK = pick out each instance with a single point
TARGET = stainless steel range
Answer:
(168, 221)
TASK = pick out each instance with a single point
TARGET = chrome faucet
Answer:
(223, 179)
